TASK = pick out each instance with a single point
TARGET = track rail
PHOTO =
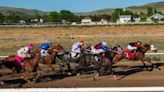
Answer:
(146, 54)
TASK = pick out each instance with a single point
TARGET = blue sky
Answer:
(73, 5)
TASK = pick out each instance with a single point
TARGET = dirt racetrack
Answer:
(129, 74)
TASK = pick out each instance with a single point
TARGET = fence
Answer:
(146, 54)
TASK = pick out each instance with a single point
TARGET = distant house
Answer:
(86, 21)
(136, 19)
(37, 21)
(103, 21)
(22, 22)
(156, 16)
(128, 19)
(124, 19)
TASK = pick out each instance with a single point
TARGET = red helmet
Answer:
(31, 46)
(82, 42)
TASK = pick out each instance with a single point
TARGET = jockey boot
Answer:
(77, 54)
(22, 61)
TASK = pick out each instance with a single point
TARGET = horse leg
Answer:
(26, 76)
(69, 69)
(97, 74)
(76, 70)
(141, 61)
(152, 65)
(112, 71)
(51, 67)
(37, 76)
(61, 68)
(15, 73)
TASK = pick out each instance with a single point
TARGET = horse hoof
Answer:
(2, 83)
(78, 74)
(28, 81)
(69, 73)
(94, 78)
(22, 77)
(115, 78)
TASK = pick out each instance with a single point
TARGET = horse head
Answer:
(36, 52)
(56, 49)
(150, 47)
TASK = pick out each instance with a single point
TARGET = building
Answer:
(103, 21)
(124, 19)
(22, 22)
(86, 21)
(156, 16)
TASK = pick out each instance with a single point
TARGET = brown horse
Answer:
(53, 51)
(139, 55)
(30, 65)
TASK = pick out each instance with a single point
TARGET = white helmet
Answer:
(104, 43)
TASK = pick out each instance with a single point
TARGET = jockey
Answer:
(134, 45)
(100, 48)
(77, 48)
(24, 52)
(44, 48)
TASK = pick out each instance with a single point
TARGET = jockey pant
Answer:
(131, 48)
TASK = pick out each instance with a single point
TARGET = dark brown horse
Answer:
(10, 63)
(53, 51)
(100, 63)
(139, 55)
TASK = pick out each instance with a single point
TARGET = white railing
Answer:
(146, 54)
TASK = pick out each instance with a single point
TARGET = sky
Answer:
(73, 5)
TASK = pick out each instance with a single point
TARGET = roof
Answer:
(125, 16)
(157, 14)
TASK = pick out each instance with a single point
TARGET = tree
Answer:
(1, 18)
(150, 11)
(116, 14)
(12, 18)
(53, 17)
(66, 15)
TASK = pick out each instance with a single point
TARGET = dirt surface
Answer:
(129, 74)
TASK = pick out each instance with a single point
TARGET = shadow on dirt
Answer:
(46, 77)
(137, 69)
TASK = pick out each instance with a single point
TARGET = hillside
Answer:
(158, 5)
(20, 11)
(32, 12)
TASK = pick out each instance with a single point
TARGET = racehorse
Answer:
(100, 63)
(30, 65)
(53, 51)
(138, 55)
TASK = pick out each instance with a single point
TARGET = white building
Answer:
(22, 22)
(104, 21)
(124, 19)
(86, 21)
(156, 16)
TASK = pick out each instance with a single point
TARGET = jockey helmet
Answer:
(104, 43)
(139, 42)
(31, 46)
(82, 42)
